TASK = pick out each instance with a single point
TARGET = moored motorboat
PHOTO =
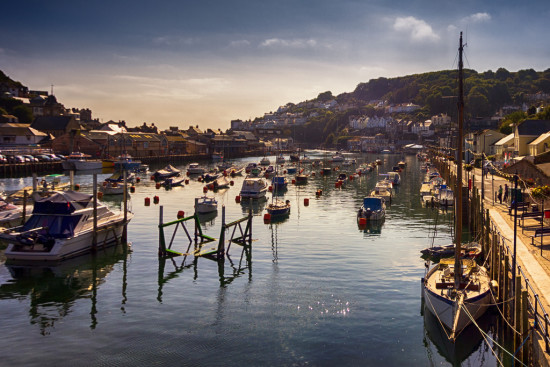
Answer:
(372, 209)
(166, 172)
(206, 204)
(195, 169)
(253, 188)
(126, 162)
(62, 226)
(173, 182)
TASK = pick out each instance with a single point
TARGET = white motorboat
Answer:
(221, 182)
(126, 162)
(457, 290)
(62, 226)
(68, 164)
(253, 188)
(280, 159)
(444, 196)
(166, 172)
(87, 164)
(265, 161)
(10, 215)
(195, 169)
(206, 204)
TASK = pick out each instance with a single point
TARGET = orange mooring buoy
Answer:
(156, 199)
(306, 201)
(267, 217)
(147, 201)
(237, 199)
(362, 221)
(181, 214)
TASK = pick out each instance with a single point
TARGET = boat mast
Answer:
(460, 139)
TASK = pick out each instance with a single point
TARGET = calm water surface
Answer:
(318, 290)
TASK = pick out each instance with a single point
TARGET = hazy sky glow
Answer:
(207, 62)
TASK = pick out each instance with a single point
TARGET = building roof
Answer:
(507, 139)
(142, 136)
(540, 139)
(51, 122)
(174, 138)
(533, 127)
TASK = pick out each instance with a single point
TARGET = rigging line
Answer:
(504, 317)
(500, 346)
(484, 335)
(437, 316)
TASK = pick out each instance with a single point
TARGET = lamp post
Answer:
(483, 168)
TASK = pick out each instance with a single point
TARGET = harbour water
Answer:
(318, 289)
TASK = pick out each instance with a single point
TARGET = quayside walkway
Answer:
(533, 253)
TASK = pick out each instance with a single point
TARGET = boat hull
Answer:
(445, 309)
(107, 234)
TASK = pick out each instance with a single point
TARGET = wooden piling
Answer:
(525, 326)
(94, 237)
(517, 316)
(24, 214)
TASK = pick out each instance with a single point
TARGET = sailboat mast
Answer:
(460, 139)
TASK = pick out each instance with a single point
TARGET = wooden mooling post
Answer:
(125, 203)
(94, 237)
(162, 245)
(517, 315)
(24, 214)
(34, 182)
(221, 244)
(525, 325)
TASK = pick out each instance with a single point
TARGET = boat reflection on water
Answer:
(208, 220)
(256, 205)
(468, 341)
(53, 289)
(371, 228)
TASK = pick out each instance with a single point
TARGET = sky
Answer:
(207, 62)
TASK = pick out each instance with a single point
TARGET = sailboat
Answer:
(457, 291)
(278, 208)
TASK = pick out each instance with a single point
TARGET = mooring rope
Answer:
(484, 334)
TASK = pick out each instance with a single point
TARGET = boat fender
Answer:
(494, 286)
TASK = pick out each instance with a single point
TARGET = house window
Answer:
(545, 147)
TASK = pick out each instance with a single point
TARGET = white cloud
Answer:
(176, 89)
(477, 18)
(418, 29)
(295, 43)
(239, 43)
(174, 41)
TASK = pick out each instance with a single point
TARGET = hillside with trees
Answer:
(435, 92)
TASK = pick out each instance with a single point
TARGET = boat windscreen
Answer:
(58, 226)
(372, 203)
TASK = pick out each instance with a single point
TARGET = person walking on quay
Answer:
(505, 193)
(500, 194)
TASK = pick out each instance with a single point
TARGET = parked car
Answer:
(30, 158)
(18, 159)
(53, 157)
(3, 159)
(63, 158)
(44, 158)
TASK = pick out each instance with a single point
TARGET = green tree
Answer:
(23, 113)
(325, 96)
